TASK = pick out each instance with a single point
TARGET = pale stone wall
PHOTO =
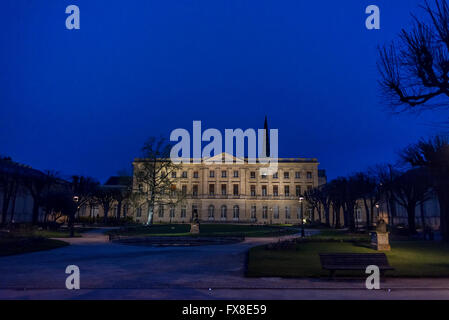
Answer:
(248, 175)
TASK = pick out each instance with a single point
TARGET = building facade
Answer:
(237, 192)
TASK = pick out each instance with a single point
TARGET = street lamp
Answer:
(378, 213)
(72, 216)
(302, 216)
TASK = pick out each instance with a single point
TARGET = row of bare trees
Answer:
(426, 175)
(155, 178)
(53, 196)
(17, 180)
(414, 72)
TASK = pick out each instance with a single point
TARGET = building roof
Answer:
(228, 156)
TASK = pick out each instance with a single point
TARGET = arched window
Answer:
(161, 211)
(224, 210)
(183, 211)
(276, 212)
(287, 213)
(211, 212)
(236, 212)
(253, 212)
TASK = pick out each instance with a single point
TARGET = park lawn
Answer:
(205, 230)
(10, 245)
(332, 235)
(409, 258)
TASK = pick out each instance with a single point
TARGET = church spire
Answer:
(267, 139)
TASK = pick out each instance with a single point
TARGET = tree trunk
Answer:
(411, 219)
(351, 218)
(319, 213)
(337, 217)
(327, 216)
(35, 218)
(150, 210)
(368, 220)
(345, 216)
(119, 209)
(423, 218)
(13, 209)
(106, 212)
(444, 214)
(5, 206)
(392, 206)
(72, 223)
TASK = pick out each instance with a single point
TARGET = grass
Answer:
(34, 233)
(205, 230)
(409, 258)
(340, 235)
(11, 244)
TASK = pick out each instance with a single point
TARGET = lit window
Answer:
(236, 212)
(264, 212)
(253, 212)
(211, 212)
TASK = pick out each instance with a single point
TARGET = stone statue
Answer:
(381, 226)
(195, 224)
(379, 238)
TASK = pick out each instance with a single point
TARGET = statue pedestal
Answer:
(380, 241)
(195, 228)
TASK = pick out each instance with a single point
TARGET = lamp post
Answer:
(378, 213)
(302, 216)
(72, 216)
(271, 215)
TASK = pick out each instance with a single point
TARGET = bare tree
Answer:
(83, 191)
(9, 185)
(414, 69)
(156, 176)
(324, 197)
(313, 198)
(410, 189)
(39, 185)
(337, 195)
(434, 155)
(106, 196)
(369, 193)
(59, 203)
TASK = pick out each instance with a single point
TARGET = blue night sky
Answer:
(84, 101)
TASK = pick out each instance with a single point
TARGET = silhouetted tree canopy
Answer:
(414, 68)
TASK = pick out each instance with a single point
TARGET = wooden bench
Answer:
(353, 261)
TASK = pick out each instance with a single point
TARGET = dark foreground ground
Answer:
(115, 271)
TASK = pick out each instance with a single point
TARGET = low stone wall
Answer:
(175, 241)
